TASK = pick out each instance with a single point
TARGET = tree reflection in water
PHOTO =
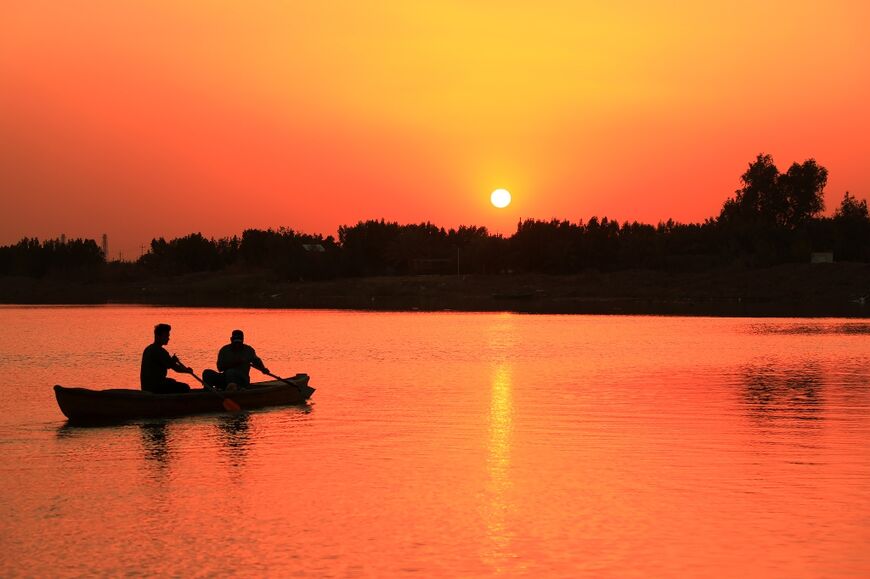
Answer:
(776, 393)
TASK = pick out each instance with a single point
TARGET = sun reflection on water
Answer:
(498, 468)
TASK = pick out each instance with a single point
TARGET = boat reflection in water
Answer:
(155, 442)
(234, 433)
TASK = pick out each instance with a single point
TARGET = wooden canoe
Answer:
(83, 405)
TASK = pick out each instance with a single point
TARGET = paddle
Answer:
(282, 380)
(229, 405)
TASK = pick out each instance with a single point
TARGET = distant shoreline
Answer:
(792, 290)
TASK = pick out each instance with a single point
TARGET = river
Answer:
(446, 444)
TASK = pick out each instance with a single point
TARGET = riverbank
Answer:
(818, 290)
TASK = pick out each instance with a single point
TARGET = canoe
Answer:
(83, 405)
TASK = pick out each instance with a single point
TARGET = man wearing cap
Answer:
(234, 362)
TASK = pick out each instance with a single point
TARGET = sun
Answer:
(500, 198)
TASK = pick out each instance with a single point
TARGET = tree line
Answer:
(775, 217)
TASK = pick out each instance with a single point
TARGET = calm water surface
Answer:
(446, 444)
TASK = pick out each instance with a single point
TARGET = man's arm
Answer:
(179, 367)
(257, 363)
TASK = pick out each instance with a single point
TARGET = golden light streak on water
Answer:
(498, 467)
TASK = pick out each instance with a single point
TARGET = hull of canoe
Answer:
(82, 405)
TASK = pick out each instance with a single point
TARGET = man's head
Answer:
(161, 334)
(237, 337)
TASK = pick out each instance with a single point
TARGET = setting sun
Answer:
(500, 198)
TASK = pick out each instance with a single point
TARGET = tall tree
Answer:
(802, 188)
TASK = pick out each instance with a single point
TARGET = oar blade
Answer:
(231, 405)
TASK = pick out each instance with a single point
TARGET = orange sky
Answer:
(161, 118)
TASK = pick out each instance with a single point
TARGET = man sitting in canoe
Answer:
(156, 361)
(234, 363)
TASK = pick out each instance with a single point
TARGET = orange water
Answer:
(447, 444)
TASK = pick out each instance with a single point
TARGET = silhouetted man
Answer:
(156, 361)
(234, 363)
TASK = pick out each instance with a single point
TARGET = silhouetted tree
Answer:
(72, 258)
(851, 224)
(767, 218)
(545, 246)
(186, 254)
(773, 217)
(851, 209)
(290, 255)
(802, 187)
(366, 247)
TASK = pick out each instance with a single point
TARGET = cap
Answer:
(237, 336)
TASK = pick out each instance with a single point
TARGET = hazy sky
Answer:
(162, 118)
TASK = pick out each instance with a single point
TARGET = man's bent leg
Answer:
(170, 386)
(214, 379)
